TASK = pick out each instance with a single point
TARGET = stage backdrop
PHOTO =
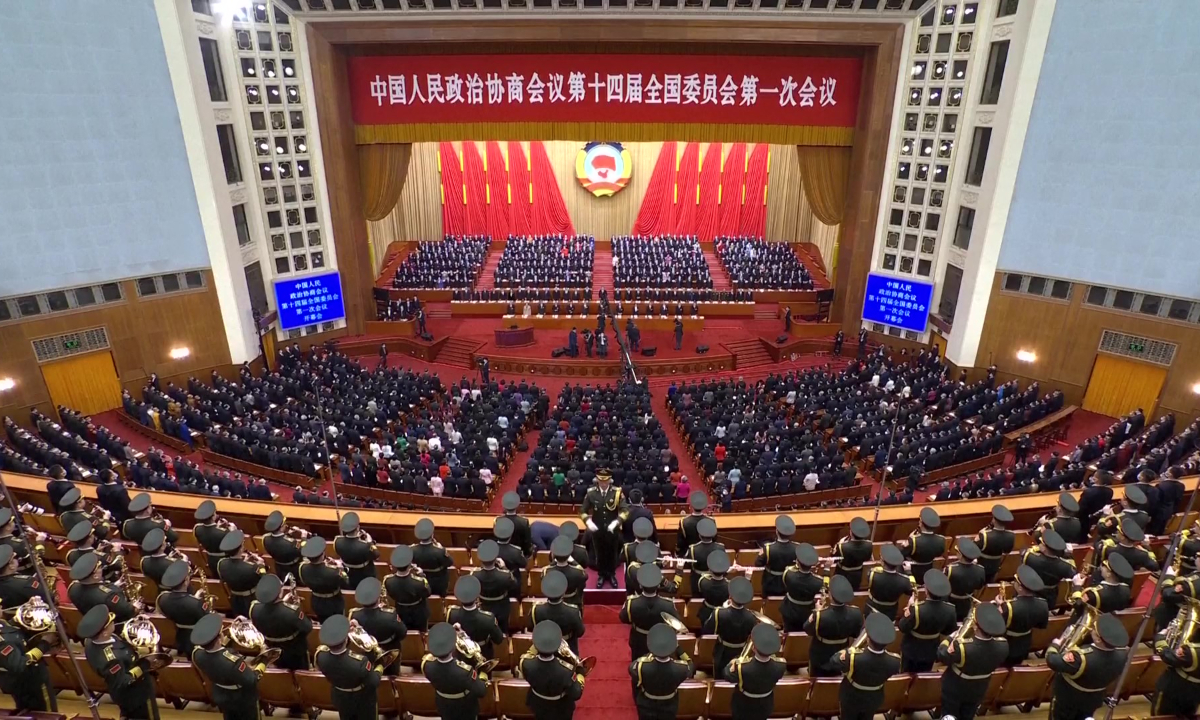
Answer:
(418, 213)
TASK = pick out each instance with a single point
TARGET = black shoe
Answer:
(600, 583)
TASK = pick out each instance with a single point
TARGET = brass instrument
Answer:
(133, 590)
(470, 650)
(582, 667)
(225, 524)
(297, 533)
(1183, 625)
(141, 634)
(1077, 630)
(51, 577)
(369, 646)
(1004, 594)
(157, 517)
(288, 595)
(1043, 522)
(37, 618)
(675, 623)
(966, 629)
(248, 641)
(919, 595)
(111, 555)
(861, 641)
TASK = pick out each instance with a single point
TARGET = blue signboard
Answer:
(309, 300)
(898, 302)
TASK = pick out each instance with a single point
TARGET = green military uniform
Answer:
(514, 560)
(431, 557)
(16, 589)
(714, 586)
(923, 545)
(562, 550)
(755, 677)
(554, 684)
(966, 577)
(688, 534)
(457, 685)
(85, 542)
(209, 534)
(854, 552)
(801, 587)
(353, 677)
(1177, 691)
(1125, 545)
(282, 626)
(886, 585)
(566, 616)
(1049, 562)
(522, 534)
(180, 606)
(154, 555)
(135, 528)
(925, 623)
(234, 681)
(643, 530)
(1175, 594)
(386, 627)
(479, 624)
(126, 676)
(1023, 614)
(408, 590)
(239, 574)
(356, 553)
(658, 675)
(832, 627)
(995, 542)
(87, 591)
(642, 612)
(776, 556)
(71, 518)
(701, 552)
(283, 549)
(647, 554)
(324, 579)
(970, 663)
(865, 671)
(732, 625)
(605, 508)
(1082, 675)
(496, 586)
(23, 672)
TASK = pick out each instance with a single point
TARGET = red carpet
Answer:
(720, 278)
(608, 693)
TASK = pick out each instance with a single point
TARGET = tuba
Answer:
(1077, 630)
(248, 641)
(369, 646)
(1182, 626)
(470, 650)
(141, 634)
(37, 619)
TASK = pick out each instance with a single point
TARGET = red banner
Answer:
(756, 90)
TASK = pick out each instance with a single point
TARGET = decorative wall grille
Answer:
(68, 344)
(1139, 348)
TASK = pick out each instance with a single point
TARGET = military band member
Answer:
(569, 618)
(283, 549)
(926, 623)
(10, 535)
(23, 672)
(1125, 543)
(1176, 591)
(497, 585)
(755, 677)
(1112, 593)
(658, 674)
(353, 677)
(324, 577)
(866, 670)
(81, 535)
(923, 545)
(831, 628)
(562, 557)
(801, 587)
(88, 590)
(429, 555)
(239, 573)
(457, 685)
(854, 551)
(643, 611)
(126, 675)
(970, 663)
(1050, 559)
(1132, 509)
(604, 511)
(143, 521)
(700, 552)
(357, 553)
(522, 536)
(154, 555)
(714, 586)
(72, 512)
(966, 577)
(554, 684)
(1066, 520)
(643, 531)
(408, 589)
(646, 554)
(385, 626)
(283, 626)
(234, 681)
(514, 559)
(688, 535)
(1023, 614)
(479, 624)
(579, 553)
(776, 556)
(1177, 691)
(17, 587)
(995, 542)
(180, 606)
(1083, 674)
(886, 584)
(732, 624)
(210, 533)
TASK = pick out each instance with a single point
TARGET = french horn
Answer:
(247, 640)
(141, 634)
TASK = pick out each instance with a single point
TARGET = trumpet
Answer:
(158, 518)
(294, 532)
(1003, 595)
(224, 524)
(674, 560)
(917, 596)
(470, 651)
(98, 512)
(288, 595)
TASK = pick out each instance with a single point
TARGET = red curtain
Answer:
(707, 209)
(732, 175)
(687, 192)
(549, 210)
(498, 213)
(518, 179)
(754, 209)
(475, 182)
(654, 216)
(454, 216)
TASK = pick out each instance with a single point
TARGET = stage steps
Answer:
(437, 311)
(602, 274)
(458, 352)
(487, 276)
(766, 311)
(720, 278)
(748, 353)
(810, 255)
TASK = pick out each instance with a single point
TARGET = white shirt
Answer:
(493, 444)
(502, 421)
(436, 485)
(811, 481)
(435, 443)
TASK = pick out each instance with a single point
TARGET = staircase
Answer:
(602, 274)
(487, 276)
(748, 353)
(458, 352)
(766, 311)
(437, 311)
(720, 278)
(811, 257)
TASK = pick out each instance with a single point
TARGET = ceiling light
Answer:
(1026, 356)
(8, 384)
(180, 353)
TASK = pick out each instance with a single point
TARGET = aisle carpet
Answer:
(607, 695)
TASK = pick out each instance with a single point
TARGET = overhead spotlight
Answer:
(1195, 388)
(180, 353)
(8, 383)
(1026, 356)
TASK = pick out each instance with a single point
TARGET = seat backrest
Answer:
(511, 696)
(183, 680)
(278, 687)
(795, 649)
(1147, 679)
(389, 703)
(720, 699)
(1044, 636)
(693, 700)
(924, 692)
(412, 649)
(1025, 684)
(315, 689)
(995, 687)
(895, 690)
(704, 651)
(70, 616)
(823, 700)
(416, 695)
(791, 696)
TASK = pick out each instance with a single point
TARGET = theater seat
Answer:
(1026, 685)
(315, 689)
(693, 700)
(925, 692)
(1148, 670)
(182, 680)
(703, 657)
(895, 693)
(720, 697)
(166, 630)
(791, 696)
(278, 687)
(416, 695)
(795, 650)
(412, 649)
(510, 699)
(823, 700)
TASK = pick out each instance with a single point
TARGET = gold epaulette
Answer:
(322, 648)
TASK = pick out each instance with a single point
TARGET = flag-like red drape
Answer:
(518, 179)
(687, 190)
(454, 216)
(549, 210)
(707, 210)
(475, 182)
(754, 210)
(732, 176)
(498, 214)
(654, 216)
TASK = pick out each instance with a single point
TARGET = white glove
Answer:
(592, 525)
(612, 526)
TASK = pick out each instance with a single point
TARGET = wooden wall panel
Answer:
(1065, 336)
(418, 213)
(141, 333)
(789, 216)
